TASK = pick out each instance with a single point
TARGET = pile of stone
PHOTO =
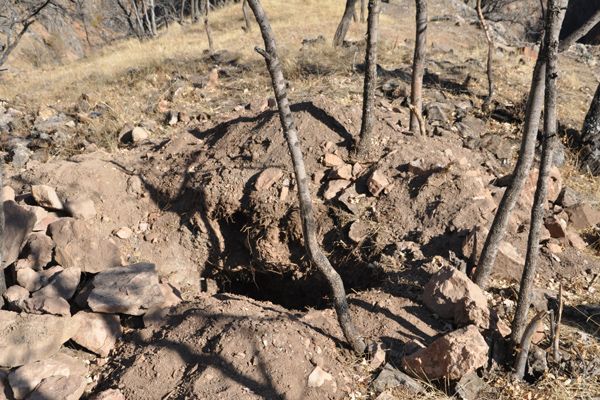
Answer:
(66, 285)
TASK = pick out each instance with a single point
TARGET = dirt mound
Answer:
(233, 347)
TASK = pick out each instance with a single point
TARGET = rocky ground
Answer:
(165, 260)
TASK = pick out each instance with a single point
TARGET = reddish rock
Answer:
(25, 379)
(15, 297)
(576, 241)
(335, 187)
(450, 357)
(97, 332)
(110, 394)
(40, 304)
(556, 226)
(25, 338)
(452, 295)
(7, 193)
(332, 160)
(377, 182)
(268, 178)
(81, 208)
(77, 245)
(59, 388)
(46, 197)
(343, 172)
(583, 216)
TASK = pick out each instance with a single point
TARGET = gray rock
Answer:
(132, 290)
(390, 377)
(18, 223)
(40, 304)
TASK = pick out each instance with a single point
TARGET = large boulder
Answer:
(77, 245)
(25, 338)
(25, 379)
(452, 295)
(450, 357)
(132, 290)
(18, 223)
(583, 216)
(60, 388)
(97, 332)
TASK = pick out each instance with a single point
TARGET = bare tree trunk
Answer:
(147, 18)
(153, 18)
(342, 29)
(204, 8)
(520, 173)
(2, 277)
(581, 32)
(556, 335)
(308, 221)
(246, 18)
(525, 344)
(363, 10)
(182, 12)
(138, 18)
(194, 6)
(554, 17)
(416, 92)
(590, 137)
(490, 55)
(370, 84)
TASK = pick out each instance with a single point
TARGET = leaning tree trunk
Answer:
(580, 32)
(416, 92)
(306, 211)
(342, 29)
(205, 9)
(590, 136)
(246, 18)
(490, 54)
(554, 17)
(520, 173)
(366, 129)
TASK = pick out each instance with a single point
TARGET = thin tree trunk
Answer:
(138, 17)
(153, 18)
(490, 55)
(556, 335)
(194, 12)
(204, 8)
(342, 29)
(246, 18)
(525, 344)
(366, 129)
(416, 92)
(147, 18)
(363, 10)
(580, 32)
(520, 173)
(554, 17)
(308, 220)
(182, 13)
(590, 137)
(2, 277)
